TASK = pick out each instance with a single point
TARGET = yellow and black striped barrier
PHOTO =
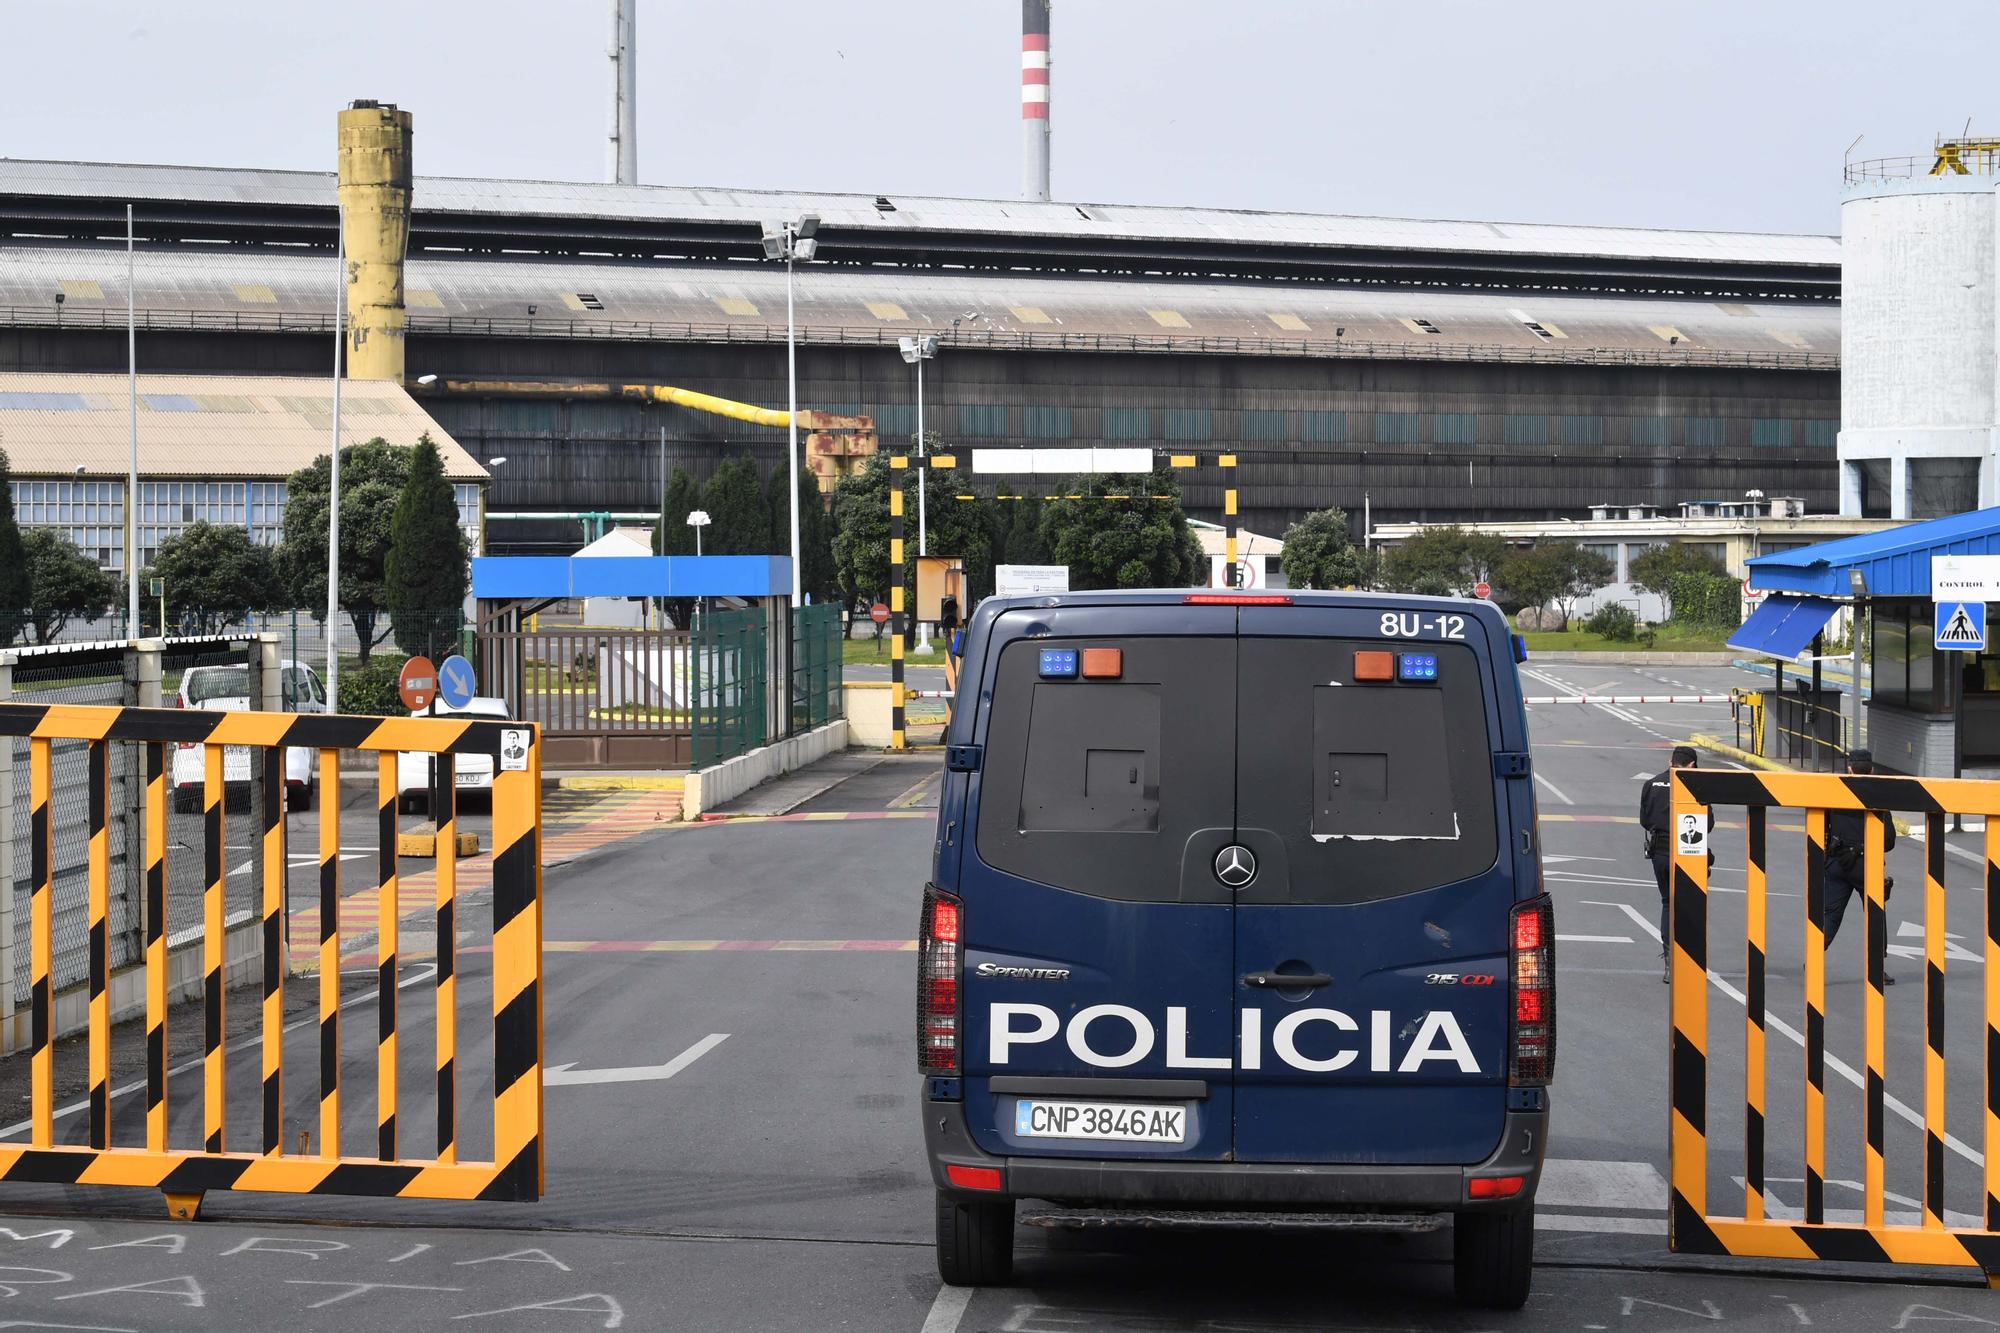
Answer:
(1693, 1228)
(183, 1174)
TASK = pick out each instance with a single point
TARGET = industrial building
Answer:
(1430, 370)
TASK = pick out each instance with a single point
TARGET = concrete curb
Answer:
(621, 781)
(724, 782)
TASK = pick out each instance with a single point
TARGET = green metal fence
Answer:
(727, 685)
(816, 666)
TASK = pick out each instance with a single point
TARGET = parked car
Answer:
(227, 686)
(473, 772)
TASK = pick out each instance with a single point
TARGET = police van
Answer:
(1236, 917)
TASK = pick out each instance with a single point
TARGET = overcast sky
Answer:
(1697, 114)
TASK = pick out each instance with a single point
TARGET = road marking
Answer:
(1833, 1062)
(947, 1310)
(559, 1076)
(1554, 790)
(1569, 1182)
(1593, 939)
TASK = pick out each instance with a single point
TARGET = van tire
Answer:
(1493, 1258)
(975, 1241)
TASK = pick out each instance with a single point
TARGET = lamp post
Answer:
(697, 519)
(792, 242)
(333, 467)
(916, 351)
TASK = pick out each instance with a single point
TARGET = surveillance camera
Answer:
(1340, 332)
(60, 298)
(531, 312)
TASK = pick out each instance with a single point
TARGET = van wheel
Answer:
(1493, 1258)
(975, 1241)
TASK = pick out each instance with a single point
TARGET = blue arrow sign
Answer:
(1961, 625)
(455, 684)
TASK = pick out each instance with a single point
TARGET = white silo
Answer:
(1919, 431)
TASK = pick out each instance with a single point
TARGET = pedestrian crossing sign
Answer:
(1961, 625)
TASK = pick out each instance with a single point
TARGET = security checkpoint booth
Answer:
(1930, 682)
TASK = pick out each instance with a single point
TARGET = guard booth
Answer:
(1931, 686)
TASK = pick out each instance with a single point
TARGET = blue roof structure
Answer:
(1783, 625)
(495, 577)
(1895, 561)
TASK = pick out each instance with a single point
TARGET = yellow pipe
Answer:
(708, 402)
(374, 160)
(659, 393)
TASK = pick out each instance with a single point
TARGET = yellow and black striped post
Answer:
(1877, 941)
(1227, 462)
(99, 896)
(41, 947)
(385, 959)
(215, 1113)
(517, 983)
(897, 573)
(329, 953)
(1687, 1068)
(1756, 911)
(1992, 1140)
(273, 838)
(156, 947)
(1934, 1122)
(1815, 1070)
(447, 958)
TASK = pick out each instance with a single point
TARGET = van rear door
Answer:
(1372, 945)
(1098, 949)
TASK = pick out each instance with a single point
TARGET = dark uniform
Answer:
(1845, 867)
(1656, 815)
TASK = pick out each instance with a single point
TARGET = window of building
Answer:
(982, 418)
(166, 508)
(1127, 423)
(1042, 422)
(1650, 432)
(1582, 432)
(1397, 428)
(1771, 433)
(1323, 427)
(1704, 432)
(898, 421)
(1455, 428)
(1187, 423)
(89, 513)
(1260, 425)
(267, 512)
(466, 494)
(1901, 659)
(1526, 430)
(1821, 434)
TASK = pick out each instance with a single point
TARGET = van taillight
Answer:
(939, 953)
(1236, 599)
(1532, 1053)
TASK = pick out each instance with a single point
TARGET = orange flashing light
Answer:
(1370, 665)
(1103, 663)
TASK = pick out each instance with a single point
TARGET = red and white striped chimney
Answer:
(1035, 99)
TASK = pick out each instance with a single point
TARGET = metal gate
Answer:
(602, 698)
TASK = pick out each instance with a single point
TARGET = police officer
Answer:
(1656, 814)
(948, 627)
(1846, 869)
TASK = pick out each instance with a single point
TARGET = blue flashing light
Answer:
(1417, 666)
(1059, 663)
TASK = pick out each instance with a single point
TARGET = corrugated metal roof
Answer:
(567, 199)
(204, 282)
(1895, 561)
(204, 425)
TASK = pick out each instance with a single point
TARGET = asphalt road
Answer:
(774, 1179)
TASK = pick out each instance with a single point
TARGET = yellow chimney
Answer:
(375, 199)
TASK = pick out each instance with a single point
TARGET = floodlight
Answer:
(803, 250)
(774, 246)
(808, 225)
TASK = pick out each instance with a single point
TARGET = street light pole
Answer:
(132, 467)
(791, 414)
(333, 487)
(916, 351)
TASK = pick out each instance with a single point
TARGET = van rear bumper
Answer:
(1240, 1184)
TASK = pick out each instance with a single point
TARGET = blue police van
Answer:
(1236, 918)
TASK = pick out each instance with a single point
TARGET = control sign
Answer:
(455, 681)
(1961, 625)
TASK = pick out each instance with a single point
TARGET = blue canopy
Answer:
(530, 576)
(1783, 625)
(1895, 561)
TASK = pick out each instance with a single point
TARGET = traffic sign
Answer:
(1961, 625)
(417, 685)
(1482, 589)
(878, 613)
(455, 684)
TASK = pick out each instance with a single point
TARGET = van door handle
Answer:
(1287, 980)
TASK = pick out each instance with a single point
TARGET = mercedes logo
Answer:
(1235, 866)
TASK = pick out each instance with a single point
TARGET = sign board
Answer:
(417, 685)
(1965, 578)
(1961, 626)
(514, 750)
(1482, 589)
(1693, 836)
(879, 613)
(1751, 594)
(938, 575)
(455, 684)
(1029, 580)
(1251, 571)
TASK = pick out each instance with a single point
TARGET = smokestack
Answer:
(624, 157)
(374, 157)
(1035, 99)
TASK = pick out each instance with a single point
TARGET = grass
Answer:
(1667, 638)
(862, 652)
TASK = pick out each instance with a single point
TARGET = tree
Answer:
(216, 575)
(817, 577)
(1026, 543)
(16, 587)
(1530, 576)
(1319, 553)
(1443, 562)
(371, 484)
(1138, 542)
(739, 518)
(1654, 570)
(67, 583)
(1581, 572)
(424, 577)
(674, 537)
(861, 532)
